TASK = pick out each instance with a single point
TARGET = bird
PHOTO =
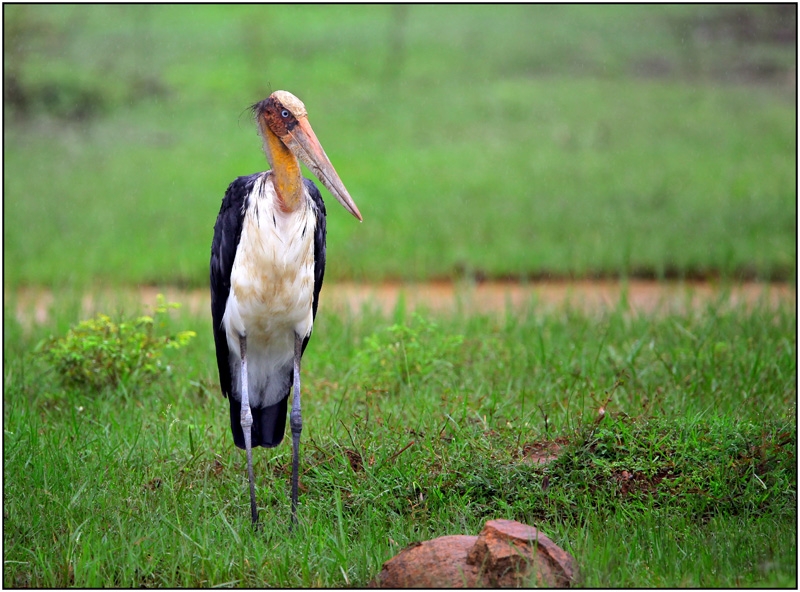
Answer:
(266, 271)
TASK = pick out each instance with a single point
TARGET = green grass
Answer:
(418, 426)
(481, 141)
(478, 141)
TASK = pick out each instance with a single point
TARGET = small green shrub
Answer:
(412, 354)
(99, 352)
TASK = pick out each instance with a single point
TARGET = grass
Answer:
(478, 141)
(419, 426)
(606, 140)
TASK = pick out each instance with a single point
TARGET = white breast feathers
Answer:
(272, 284)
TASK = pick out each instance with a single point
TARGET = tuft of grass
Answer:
(99, 352)
(675, 439)
(406, 354)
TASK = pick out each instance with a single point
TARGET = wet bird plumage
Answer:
(251, 291)
(267, 265)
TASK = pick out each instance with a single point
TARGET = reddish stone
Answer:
(439, 563)
(506, 554)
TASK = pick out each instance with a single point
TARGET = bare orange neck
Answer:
(286, 177)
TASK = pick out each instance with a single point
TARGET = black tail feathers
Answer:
(269, 424)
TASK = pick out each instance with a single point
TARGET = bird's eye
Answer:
(285, 113)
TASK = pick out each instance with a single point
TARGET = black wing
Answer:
(227, 232)
(319, 246)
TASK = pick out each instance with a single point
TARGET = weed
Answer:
(100, 352)
(412, 355)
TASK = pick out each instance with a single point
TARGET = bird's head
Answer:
(283, 116)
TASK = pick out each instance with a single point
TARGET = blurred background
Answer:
(482, 142)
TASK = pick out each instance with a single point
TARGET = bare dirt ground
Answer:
(640, 297)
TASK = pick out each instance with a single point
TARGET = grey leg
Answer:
(247, 422)
(296, 423)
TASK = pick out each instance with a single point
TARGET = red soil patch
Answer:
(636, 296)
(543, 451)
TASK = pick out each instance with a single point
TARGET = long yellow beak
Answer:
(303, 142)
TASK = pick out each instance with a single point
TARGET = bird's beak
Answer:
(303, 142)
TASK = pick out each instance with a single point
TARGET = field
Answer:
(480, 143)
(477, 141)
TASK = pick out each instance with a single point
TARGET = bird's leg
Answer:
(296, 423)
(247, 422)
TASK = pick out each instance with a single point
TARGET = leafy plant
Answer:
(410, 354)
(99, 352)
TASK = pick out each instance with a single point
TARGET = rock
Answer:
(505, 554)
(439, 563)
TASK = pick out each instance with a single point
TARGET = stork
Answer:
(267, 264)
